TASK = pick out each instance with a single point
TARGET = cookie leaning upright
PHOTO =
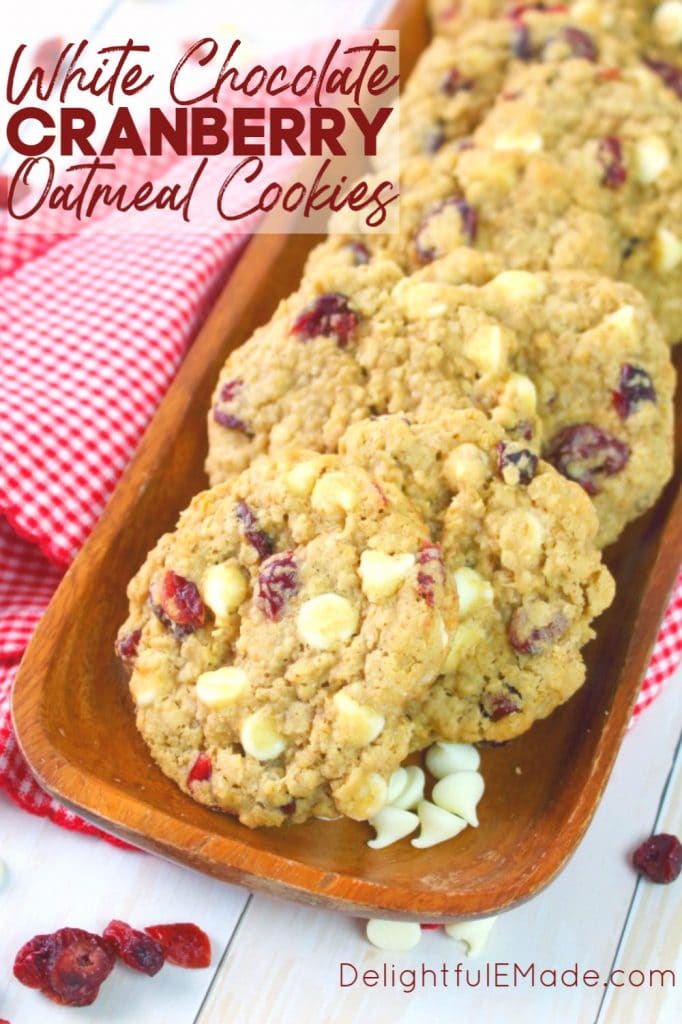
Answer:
(519, 544)
(618, 134)
(278, 635)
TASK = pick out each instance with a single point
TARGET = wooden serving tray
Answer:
(75, 722)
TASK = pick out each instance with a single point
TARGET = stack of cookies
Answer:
(416, 464)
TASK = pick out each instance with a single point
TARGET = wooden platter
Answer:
(74, 717)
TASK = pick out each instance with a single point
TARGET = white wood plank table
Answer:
(276, 963)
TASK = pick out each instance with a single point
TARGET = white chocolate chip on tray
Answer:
(391, 824)
(395, 936)
(413, 791)
(473, 934)
(445, 758)
(459, 793)
(437, 825)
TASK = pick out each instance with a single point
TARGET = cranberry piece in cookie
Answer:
(359, 252)
(277, 581)
(668, 73)
(516, 465)
(659, 858)
(454, 82)
(126, 645)
(496, 706)
(257, 538)
(426, 251)
(180, 605)
(136, 949)
(223, 417)
(527, 638)
(635, 386)
(584, 453)
(610, 154)
(329, 315)
(201, 770)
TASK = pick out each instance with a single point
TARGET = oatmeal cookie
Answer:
(278, 635)
(519, 544)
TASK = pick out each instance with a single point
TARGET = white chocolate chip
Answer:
(518, 284)
(259, 736)
(394, 936)
(418, 300)
(467, 465)
(589, 13)
(527, 142)
(358, 724)
(334, 492)
(466, 637)
(151, 678)
(413, 790)
(221, 688)
(520, 394)
(487, 349)
(223, 588)
(666, 251)
(437, 825)
(652, 158)
(667, 22)
(396, 785)
(382, 575)
(371, 798)
(472, 590)
(624, 321)
(327, 621)
(521, 538)
(301, 479)
(391, 824)
(460, 793)
(473, 934)
(445, 758)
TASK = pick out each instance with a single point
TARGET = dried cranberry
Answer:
(184, 944)
(180, 606)
(468, 218)
(521, 45)
(277, 581)
(668, 73)
(288, 808)
(230, 389)
(31, 962)
(528, 640)
(583, 452)
(257, 538)
(359, 252)
(429, 927)
(516, 465)
(454, 82)
(497, 705)
(425, 588)
(635, 386)
(384, 500)
(201, 770)
(434, 138)
(610, 155)
(329, 315)
(659, 858)
(126, 645)
(519, 10)
(78, 964)
(136, 949)
(231, 422)
(580, 43)
(430, 552)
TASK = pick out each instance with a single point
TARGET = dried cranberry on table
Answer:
(68, 966)
(330, 316)
(184, 944)
(136, 949)
(659, 858)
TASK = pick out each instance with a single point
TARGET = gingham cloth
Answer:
(93, 329)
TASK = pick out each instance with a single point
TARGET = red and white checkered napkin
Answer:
(94, 329)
